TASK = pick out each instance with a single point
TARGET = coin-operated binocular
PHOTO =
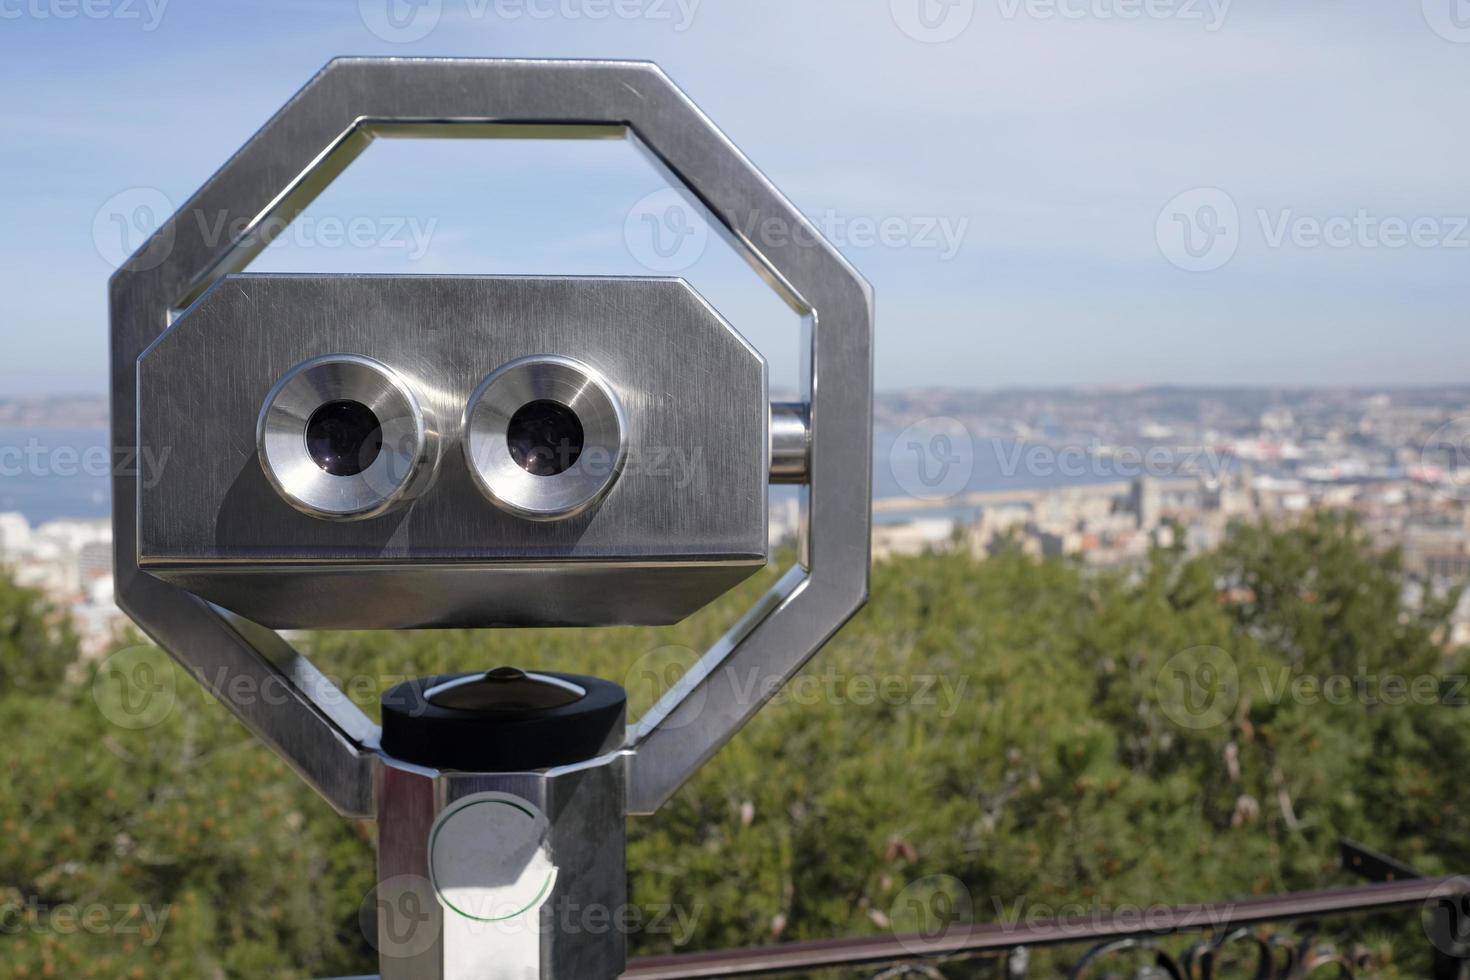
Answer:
(411, 452)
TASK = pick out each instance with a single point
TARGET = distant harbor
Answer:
(49, 474)
(1101, 476)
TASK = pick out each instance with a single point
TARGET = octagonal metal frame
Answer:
(298, 152)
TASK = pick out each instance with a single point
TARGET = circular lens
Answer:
(544, 437)
(344, 437)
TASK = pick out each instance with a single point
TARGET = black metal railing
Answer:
(1250, 932)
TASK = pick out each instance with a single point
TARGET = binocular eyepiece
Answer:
(344, 437)
(386, 452)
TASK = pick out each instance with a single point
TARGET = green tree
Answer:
(1006, 733)
(37, 643)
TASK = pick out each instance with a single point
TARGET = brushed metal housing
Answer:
(684, 520)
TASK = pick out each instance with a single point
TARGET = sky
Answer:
(1042, 192)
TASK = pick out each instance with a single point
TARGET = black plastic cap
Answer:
(502, 721)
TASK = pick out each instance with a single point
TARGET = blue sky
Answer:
(1070, 191)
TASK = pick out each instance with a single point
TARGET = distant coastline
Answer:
(75, 412)
(895, 409)
(54, 451)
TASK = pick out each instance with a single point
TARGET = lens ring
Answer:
(343, 437)
(521, 426)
